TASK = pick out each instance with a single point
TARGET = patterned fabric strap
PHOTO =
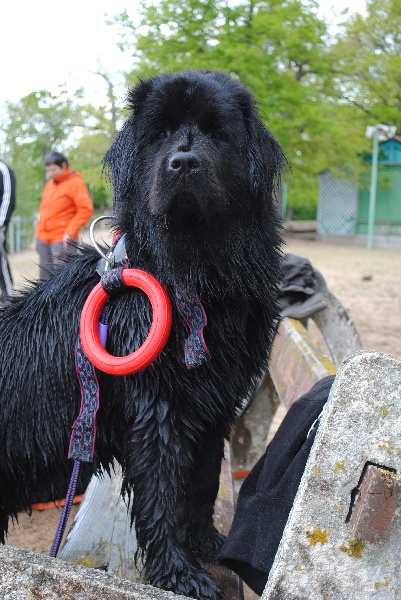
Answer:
(111, 281)
(192, 311)
(82, 442)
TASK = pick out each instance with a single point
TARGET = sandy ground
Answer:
(368, 283)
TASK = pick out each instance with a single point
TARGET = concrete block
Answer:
(29, 576)
(319, 557)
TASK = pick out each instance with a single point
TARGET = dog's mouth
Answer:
(184, 211)
(184, 204)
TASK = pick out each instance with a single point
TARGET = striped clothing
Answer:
(7, 205)
(7, 194)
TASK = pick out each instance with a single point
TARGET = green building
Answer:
(343, 205)
(388, 197)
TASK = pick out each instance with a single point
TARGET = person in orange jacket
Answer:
(65, 207)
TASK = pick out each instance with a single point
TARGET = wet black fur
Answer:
(210, 228)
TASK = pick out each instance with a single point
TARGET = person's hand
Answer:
(66, 240)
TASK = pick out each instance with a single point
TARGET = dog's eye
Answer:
(217, 135)
(162, 135)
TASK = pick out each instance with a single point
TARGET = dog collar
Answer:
(189, 306)
(116, 256)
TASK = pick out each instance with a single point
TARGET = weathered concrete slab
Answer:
(29, 576)
(318, 556)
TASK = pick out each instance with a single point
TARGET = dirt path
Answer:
(368, 283)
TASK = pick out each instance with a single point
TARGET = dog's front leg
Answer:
(204, 539)
(158, 462)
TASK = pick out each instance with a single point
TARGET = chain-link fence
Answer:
(338, 205)
(343, 211)
(21, 233)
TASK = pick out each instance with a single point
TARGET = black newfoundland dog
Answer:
(193, 174)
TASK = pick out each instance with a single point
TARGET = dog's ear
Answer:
(118, 160)
(121, 156)
(266, 159)
(137, 95)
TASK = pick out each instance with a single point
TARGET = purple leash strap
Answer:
(82, 442)
(83, 436)
(66, 510)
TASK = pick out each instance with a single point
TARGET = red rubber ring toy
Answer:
(158, 333)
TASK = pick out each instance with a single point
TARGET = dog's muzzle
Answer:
(184, 163)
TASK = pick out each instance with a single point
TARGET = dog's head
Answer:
(194, 154)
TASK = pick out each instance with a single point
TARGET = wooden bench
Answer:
(296, 363)
(99, 551)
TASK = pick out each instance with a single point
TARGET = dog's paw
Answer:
(208, 545)
(194, 584)
(189, 580)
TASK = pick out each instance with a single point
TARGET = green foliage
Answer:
(38, 123)
(278, 49)
(301, 201)
(86, 158)
(41, 122)
(366, 62)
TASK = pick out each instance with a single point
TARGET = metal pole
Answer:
(284, 200)
(18, 233)
(373, 188)
(11, 236)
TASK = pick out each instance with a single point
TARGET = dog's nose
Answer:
(184, 162)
